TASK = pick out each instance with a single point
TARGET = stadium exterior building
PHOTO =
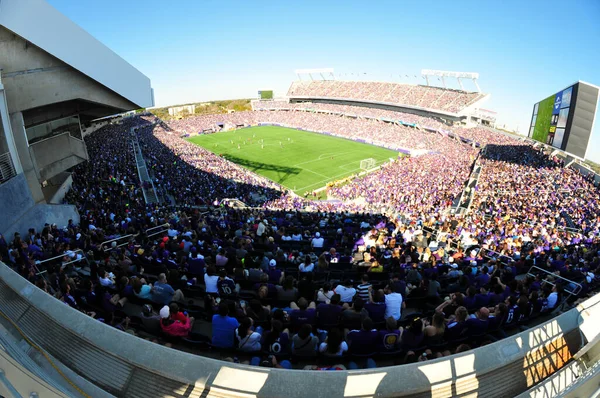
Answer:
(54, 77)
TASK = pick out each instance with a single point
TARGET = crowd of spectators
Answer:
(368, 130)
(414, 186)
(429, 97)
(526, 193)
(193, 175)
(342, 290)
(480, 135)
(335, 283)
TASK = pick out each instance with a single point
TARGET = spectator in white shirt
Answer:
(317, 241)
(248, 339)
(334, 345)
(408, 235)
(324, 295)
(346, 291)
(307, 265)
(552, 299)
(210, 280)
(261, 228)
(393, 303)
(105, 279)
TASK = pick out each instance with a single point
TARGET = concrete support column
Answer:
(8, 136)
(27, 161)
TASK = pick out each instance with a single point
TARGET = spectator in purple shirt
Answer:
(329, 314)
(275, 275)
(376, 306)
(469, 300)
(483, 278)
(389, 337)
(302, 313)
(363, 341)
(478, 325)
(482, 299)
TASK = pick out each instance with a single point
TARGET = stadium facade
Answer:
(54, 78)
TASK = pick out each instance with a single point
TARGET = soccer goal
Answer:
(367, 164)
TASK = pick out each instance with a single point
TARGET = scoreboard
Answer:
(265, 94)
(565, 120)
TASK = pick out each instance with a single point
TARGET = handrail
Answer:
(116, 239)
(499, 255)
(159, 232)
(60, 256)
(575, 292)
(158, 226)
(83, 258)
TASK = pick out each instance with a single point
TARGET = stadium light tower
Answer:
(457, 75)
(325, 73)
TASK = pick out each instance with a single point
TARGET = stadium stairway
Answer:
(568, 220)
(148, 188)
(463, 202)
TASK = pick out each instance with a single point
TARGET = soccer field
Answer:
(299, 160)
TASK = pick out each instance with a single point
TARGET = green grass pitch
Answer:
(299, 160)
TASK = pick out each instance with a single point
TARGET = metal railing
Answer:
(117, 239)
(571, 288)
(82, 259)
(7, 169)
(503, 258)
(165, 228)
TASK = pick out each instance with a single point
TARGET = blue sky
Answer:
(524, 51)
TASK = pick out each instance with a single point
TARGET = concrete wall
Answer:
(18, 212)
(56, 154)
(63, 182)
(85, 131)
(41, 24)
(16, 200)
(43, 213)
(34, 78)
(30, 168)
(128, 366)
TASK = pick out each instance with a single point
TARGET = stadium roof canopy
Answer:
(51, 67)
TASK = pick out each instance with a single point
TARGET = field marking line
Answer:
(320, 158)
(346, 173)
(329, 178)
(314, 172)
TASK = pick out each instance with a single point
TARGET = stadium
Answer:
(346, 238)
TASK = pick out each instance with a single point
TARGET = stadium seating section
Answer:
(429, 97)
(464, 280)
